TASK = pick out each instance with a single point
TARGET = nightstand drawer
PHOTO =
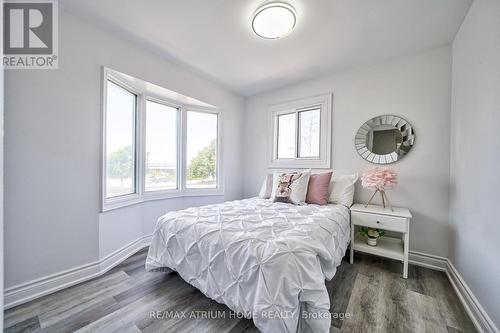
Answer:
(392, 223)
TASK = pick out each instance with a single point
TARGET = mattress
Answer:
(264, 260)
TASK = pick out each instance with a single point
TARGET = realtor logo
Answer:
(30, 34)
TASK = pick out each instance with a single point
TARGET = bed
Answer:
(264, 260)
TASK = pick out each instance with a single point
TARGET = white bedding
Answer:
(268, 260)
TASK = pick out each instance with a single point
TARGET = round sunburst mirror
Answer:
(384, 139)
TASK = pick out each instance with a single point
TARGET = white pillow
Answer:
(298, 187)
(266, 188)
(342, 189)
(262, 192)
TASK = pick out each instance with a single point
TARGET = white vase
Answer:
(371, 241)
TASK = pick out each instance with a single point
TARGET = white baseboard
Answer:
(28, 291)
(428, 261)
(476, 312)
(120, 255)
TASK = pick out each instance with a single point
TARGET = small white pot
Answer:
(371, 241)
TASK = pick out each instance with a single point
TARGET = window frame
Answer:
(141, 195)
(160, 193)
(277, 131)
(132, 197)
(202, 191)
(325, 105)
(298, 132)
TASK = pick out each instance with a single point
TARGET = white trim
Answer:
(28, 291)
(118, 256)
(476, 312)
(219, 189)
(428, 261)
(131, 198)
(31, 290)
(160, 194)
(325, 104)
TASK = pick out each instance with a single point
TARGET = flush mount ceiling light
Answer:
(273, 20)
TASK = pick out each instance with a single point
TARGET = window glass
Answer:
(286, 135)
(309, 133)
(120, 141)
(161, 147)
(201, 150)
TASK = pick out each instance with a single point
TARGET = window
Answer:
(307, 145)
(309, 133)
(156, 143)
(286, 135)
(120, 141)
(161, 147)
(301, 133)
(201, 150)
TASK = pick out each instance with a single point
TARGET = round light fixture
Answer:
(274, 19)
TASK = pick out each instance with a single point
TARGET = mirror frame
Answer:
(404, 127)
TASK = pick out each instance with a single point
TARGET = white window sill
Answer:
(135, 199)
(301, 163)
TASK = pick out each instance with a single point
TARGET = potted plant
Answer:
(371, 234)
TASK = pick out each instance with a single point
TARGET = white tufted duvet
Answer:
(268, 260)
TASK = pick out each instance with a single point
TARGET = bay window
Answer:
(157, 144)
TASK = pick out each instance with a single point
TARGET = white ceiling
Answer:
(215, 38)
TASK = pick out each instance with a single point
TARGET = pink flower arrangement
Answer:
(379, 179)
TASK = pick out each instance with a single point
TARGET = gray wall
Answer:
(475, 153)
(416, 87)
(52, 155)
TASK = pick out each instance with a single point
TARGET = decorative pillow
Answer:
(317, 192)
(342, 189)
(267, 187)
(290, 187)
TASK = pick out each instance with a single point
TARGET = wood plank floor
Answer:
(371, 291)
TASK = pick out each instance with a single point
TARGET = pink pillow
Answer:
(317, 192)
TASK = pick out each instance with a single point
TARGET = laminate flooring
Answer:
(369, 296)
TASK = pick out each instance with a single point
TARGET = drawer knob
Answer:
(378, 221)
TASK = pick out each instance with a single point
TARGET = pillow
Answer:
(342, 189)
(317, 191)
(267, 187)
(290, 187)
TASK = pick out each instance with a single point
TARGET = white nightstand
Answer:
(382, 218)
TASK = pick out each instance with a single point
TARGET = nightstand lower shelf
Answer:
(396, 220)
(388, 247)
